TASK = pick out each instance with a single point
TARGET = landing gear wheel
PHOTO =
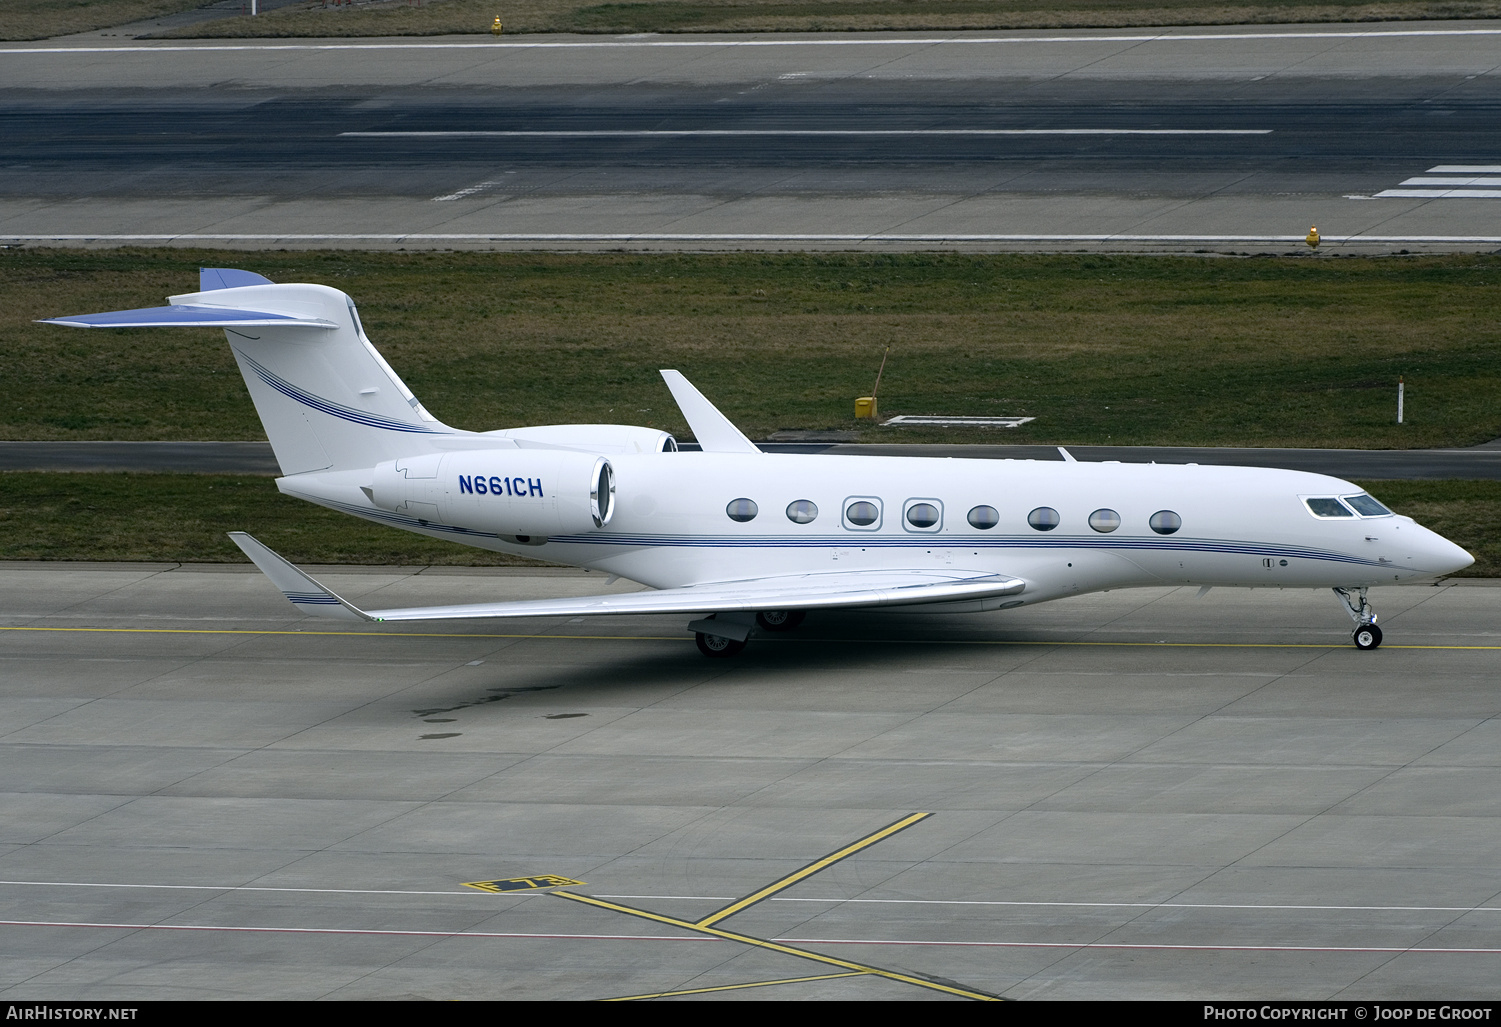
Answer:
(1367, 636)
(717, 645)
(780, 620)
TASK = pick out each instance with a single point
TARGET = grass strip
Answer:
(1300, 351)
(185, 517)
(453, 17)
(42, 19)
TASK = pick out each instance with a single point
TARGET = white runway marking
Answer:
(1280, 907)
(1436, 180)
(1050, 904)
(816, 132)
(470, 191)
(730, 44)
(921, 943)
(1442, 183)
(1441, 194)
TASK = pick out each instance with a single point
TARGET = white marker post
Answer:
(1399, 400)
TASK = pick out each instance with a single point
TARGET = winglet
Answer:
(714, 431)
(301, 590)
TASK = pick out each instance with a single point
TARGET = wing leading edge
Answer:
(792, 592)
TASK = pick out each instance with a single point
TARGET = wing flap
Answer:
(838, 589)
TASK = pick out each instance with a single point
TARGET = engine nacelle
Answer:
(529, 494)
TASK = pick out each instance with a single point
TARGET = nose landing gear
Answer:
(1367, 635)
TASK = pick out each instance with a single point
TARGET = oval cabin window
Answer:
(1104, 520)
(742, 510)
(862, 513)
(1044, 518)
(984, 518)
(1165, 522)
(802, 511)
(922, 515)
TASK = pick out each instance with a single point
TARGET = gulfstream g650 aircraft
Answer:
(740, 538)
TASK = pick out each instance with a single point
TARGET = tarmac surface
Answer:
(1226, 139)
(1475, 463)
(1140, 794)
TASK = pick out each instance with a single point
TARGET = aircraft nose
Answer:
(1440, 556)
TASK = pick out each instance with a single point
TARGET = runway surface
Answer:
(1132, 795)
(1478, 462)
(1383, 135)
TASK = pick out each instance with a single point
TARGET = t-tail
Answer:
(327, 399)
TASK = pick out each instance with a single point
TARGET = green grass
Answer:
(443, 17)
(1273, 351)
(184, 517)
(40, 19)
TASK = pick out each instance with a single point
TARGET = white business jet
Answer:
(739, 538)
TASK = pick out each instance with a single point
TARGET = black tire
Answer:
(780, 620)
(1367, 637)
(717, 646)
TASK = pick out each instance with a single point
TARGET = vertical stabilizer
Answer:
(327, 399)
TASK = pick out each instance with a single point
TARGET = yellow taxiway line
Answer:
(773, 946)
(811, 869)
(737, 987)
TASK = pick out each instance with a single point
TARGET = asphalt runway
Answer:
(1476, 463)
(1139, 794)
(1072, 136)
(1229, 138)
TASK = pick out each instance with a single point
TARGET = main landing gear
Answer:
(725, 634)
(1367, 635)
(717, 645)
(780, 620)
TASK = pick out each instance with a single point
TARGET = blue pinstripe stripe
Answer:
(331, 408)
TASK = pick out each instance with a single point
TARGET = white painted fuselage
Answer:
(1240, 526)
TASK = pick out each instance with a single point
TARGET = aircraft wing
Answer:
(788, 592)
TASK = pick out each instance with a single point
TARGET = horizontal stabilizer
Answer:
(301, 590)
(211, 278)
(180, 316)
(838, 589)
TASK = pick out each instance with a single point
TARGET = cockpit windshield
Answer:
(1327, 506)
(1366, 506)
